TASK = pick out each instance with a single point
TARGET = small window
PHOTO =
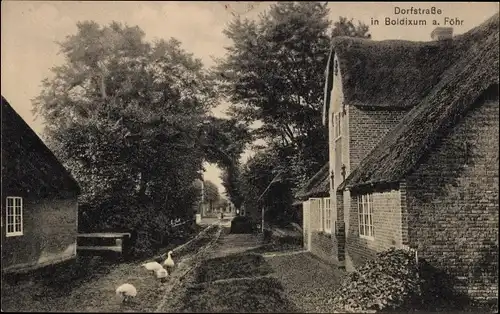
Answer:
(365, 215)
(14, 216)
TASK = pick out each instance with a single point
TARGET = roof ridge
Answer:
(474, 71)
(6, 106)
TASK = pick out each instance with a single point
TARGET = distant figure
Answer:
(221, 216)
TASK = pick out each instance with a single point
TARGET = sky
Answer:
(30, 31)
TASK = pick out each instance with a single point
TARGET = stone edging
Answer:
(187, 265)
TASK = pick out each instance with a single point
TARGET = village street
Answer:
(169, 156)
(216, 272)
(240, 274)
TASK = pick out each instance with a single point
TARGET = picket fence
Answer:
(316, 215)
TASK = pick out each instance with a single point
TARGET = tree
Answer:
(224, 142)
(230, 177)
(211, 193)
(223, 203)
(264, 185)
(346, 27)
(274, 73)
(125, 116)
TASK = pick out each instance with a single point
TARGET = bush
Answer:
(268, 235)
(141, 245)
(242, 224)
(388, 282)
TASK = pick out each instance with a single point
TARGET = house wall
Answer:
(388, 231)
(49, 235)
(332, 245)
(362, 130)
(338, 148)
(366, 128)
(338, 233)
(335, 159)
(452, 203)
(316, 240)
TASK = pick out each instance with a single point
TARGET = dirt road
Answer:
(94, 289)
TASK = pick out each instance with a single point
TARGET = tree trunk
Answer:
(103, 86)
(142, 186)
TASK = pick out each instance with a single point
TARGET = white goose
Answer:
(161, 274)
(154, 266)
(126, 292)
(169, 262)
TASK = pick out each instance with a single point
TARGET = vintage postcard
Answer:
(254, 157)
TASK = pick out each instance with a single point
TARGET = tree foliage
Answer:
(125, 116)
(223, 203)
(231, 177)
(211, 192)
(263, 183)
(274, 73)
(224, 142)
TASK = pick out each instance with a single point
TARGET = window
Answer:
(338, 125)
(365, 215)
(14, 216)
(317, 213)
(321, 209)
(327, 215)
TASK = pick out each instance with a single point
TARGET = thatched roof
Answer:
(475, 70)
(29, 168)
(389, 73)
(318, 185)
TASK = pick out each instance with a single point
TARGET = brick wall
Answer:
(50, 230)
(366, 128)
(386, 222)
(338, 232)
(361, 132)
(453, 203)
(321, 243)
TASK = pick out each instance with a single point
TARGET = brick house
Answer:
(39, 200)
(413, 131)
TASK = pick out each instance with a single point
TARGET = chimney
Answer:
(442, 33)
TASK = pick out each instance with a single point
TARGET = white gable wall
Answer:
(338, 143)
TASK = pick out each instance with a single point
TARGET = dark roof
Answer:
(28, 166)
(389, 73)
(318, 185)
(473, 73)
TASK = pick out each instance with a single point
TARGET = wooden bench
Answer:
(117, 237)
